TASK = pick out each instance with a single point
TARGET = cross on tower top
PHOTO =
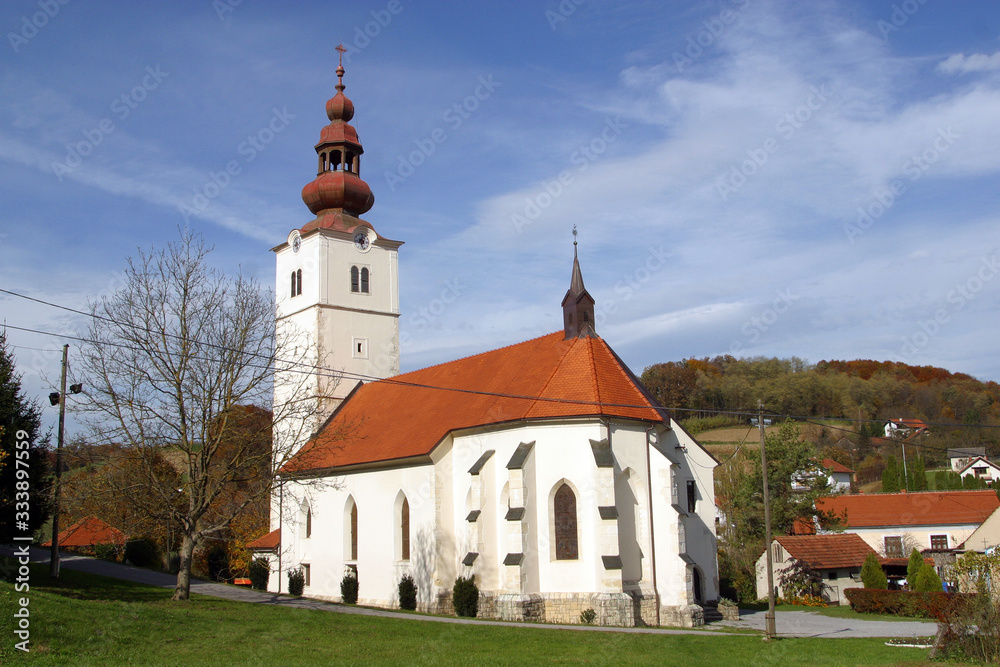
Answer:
(342, 50)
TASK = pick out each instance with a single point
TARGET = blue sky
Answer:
(749, 177)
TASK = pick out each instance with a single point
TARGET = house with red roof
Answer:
(903, 428)
(895, 523)
(836, 557)
(543, 469)
(87, 533)
(981, 468)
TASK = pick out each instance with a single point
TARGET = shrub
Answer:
(110, 552)
(465, 597)
(916, 604)
(296, 581)
(217, 562)
(970, 631)
(142, 552)
(913, 569)
(260, 572)
(407, 593)
(927, 579)
(587, 616)
(872, 574)
(349, 588)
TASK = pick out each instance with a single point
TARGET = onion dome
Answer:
(338, 187)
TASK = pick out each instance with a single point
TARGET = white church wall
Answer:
(379, 566)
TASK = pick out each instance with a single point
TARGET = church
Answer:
(543, 469)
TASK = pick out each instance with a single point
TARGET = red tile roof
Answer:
(833, 466)
(909, 423)
(408, 415)
(88, 532)
(827, 551)
(270, 541)
(927, 508)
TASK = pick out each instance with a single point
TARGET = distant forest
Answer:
(846, 393)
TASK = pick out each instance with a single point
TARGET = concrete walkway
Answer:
(789, 623)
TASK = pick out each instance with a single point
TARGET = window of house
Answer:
(364, 281)
(404, 531)
(831, 575)
(355, 279)
(692, 496)
(777, 553)
(305, 572)
(564, 510)
(893, 546)
(939, 541)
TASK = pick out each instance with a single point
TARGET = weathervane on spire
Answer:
(574, 234)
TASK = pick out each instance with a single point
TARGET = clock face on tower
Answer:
(296, 243)
(362, 242)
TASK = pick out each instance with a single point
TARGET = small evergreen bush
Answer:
(872, 575)
(928, 580)
(407, 593)
(260, 571)
(349, 588)
(465, 597)
(913, 568)
(142, 552)
(296, 581)
(587, 616)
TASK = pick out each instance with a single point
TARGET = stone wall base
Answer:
(610, 609)
(683, 616)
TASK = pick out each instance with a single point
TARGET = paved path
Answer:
(789, 623)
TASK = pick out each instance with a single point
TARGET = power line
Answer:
(296, 366)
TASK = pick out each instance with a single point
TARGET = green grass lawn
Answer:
(89, 620)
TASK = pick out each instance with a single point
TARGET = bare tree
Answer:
(176, 356)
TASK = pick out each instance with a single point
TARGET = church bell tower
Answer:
(337, 284)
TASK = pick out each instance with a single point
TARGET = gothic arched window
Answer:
(354, 531)
(354, 279)
(564, 510)
(364, 281)
(404, 531)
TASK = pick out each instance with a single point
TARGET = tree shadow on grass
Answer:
(85, 586)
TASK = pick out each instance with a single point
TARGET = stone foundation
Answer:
(611, 609)
(682, 616)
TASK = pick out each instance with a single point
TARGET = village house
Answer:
(837, 558)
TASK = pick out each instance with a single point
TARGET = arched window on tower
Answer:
(364, 281)
(334, 160)
(354, 279)
(564, 510)
(348, 161)
(297, 282)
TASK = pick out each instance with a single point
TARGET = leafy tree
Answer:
(927, 579)
(872, 575)
(741, 496)
(177, 355)
(20, 422)
(800, 579)
(913, 569)
(890, 476)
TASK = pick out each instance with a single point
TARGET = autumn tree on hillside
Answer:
(176, 354)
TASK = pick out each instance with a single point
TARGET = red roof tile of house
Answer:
(909, 423)
(269, 542)
(827, 551)
(928, 508)
(408, 415)
(88, 532)
(833, 466)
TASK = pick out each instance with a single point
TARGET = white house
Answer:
(896, 523)
(981, 468)
(543, 469)
(837, 558)
(838, 476)
(903, 428)
(959, 457)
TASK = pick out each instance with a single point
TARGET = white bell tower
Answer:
(337, 286)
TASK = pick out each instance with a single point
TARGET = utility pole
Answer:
(770, 631)
(60, 400)
(54, 560)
